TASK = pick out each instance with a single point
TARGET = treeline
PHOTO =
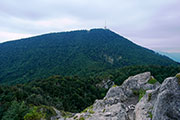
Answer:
(73, 94)
(64, 93)
(159, 72)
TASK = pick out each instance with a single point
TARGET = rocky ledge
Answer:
(140, 97)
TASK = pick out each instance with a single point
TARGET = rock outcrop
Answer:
(105, 84)
(167, 105)
(140, 97)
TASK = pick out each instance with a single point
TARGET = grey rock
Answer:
(58, 115)
(144, 108)
(167, 105)
(105, 84)
(136, 82)
(112, 112)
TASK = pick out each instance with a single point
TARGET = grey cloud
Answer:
(149, 23)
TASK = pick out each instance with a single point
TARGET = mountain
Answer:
(174, 56)
(82, 53)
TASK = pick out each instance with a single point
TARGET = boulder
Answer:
(167, 105)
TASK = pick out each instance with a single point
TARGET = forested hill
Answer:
(71, 53)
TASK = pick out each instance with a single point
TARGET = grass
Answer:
(81, 118)
(149, 96)
(142, 92)
(66, 114)
(88, 109)
(91, 112)
(178, 77)
(152, 80)
(104, 110)
(139, 93)
(150, 115)
(136, 92)
(114, 85)
(75, 117)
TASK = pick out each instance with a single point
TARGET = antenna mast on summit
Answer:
(105, 25)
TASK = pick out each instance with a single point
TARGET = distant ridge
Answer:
(174, 56)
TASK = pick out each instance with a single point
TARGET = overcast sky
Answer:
(154, 24)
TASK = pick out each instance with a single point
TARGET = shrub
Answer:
(149, 96)
(135, 92)
(87, 109)
(66, 114)
(34, 114)
(178, 77)
(114, 85)
(150, 115)
(152, 80)
(142, 92)
(16, 111)
(81, 118)
(91, 111)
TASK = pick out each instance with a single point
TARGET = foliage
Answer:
(159, 72)
(81, 53)
(16, 111)
(114, 85)
(149, 96)
(178, 77)
(34, 114)
(89, 109)
(66, 114)
(81, 118)
(64, 93)
(150, 115)
(141, 93)
(152, 80)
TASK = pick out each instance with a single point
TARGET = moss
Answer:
(88, 109)
(45, 112)
(114, 85)
(149, 96)
(35, 114)
(136, 92)
(75, 117)
(150, 115)
(152, 80)
(91, 112)
(66, 114)
(142, 92)
(48, 110)
(178, 77)
(139, 93)
(81, 118)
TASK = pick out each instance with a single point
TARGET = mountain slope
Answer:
(71, 53)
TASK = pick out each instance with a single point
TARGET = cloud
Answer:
(12, 36)
(153, 24)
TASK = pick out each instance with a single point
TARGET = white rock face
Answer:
(160, 102)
